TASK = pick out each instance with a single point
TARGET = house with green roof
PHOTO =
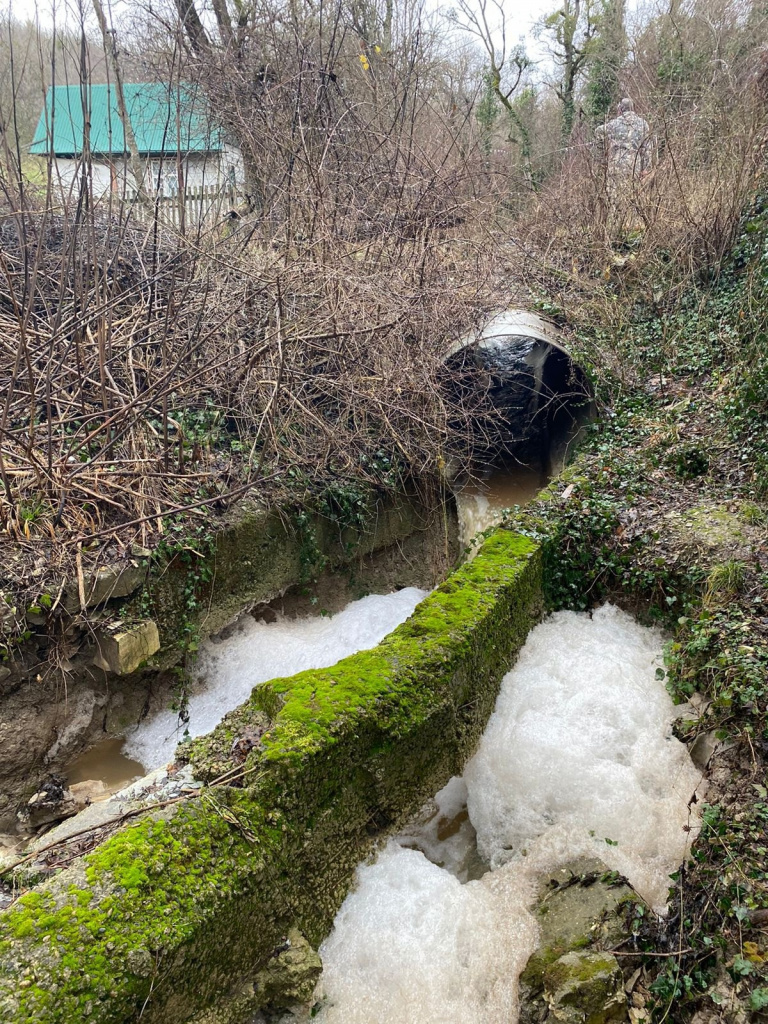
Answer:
(179, 145)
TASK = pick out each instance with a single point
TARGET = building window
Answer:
(164, 178)
(170, 183)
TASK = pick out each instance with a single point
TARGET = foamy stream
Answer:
(227, 670)
(578, 759)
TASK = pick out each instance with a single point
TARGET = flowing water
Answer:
(480, 504)
(227, 670)
(577, 760)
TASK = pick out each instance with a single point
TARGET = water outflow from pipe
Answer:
(480, 505)
(577, 760)
(227, 670)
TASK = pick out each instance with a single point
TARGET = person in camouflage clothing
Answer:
(627, 144)
(627, 150)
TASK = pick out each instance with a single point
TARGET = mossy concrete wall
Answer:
(259, 553)
(170, 914)
(256, 555)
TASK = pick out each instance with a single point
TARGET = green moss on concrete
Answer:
(397, 680)
(168, 914)
(200, 585)
(91, 943)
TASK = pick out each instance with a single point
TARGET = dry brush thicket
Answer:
(300, 340)
(144, 374)
(697, 74)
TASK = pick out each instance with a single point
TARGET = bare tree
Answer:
(571, 30)
(109, 37)
(507, 63)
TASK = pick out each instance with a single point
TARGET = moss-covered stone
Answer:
(285, 982)
(585, 988)
(580, 910)
(170, 913)
(291, 975)
(710, 530)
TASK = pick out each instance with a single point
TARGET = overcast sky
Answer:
(521, 14)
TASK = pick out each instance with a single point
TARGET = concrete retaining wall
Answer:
(172, 913)
(48, 717)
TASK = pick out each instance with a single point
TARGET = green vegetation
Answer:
(665, 513)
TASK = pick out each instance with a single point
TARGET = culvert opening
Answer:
(524, 404)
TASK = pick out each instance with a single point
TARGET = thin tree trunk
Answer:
(193, 27)
(110, 48)
(223, 21)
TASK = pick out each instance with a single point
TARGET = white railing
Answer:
(202, 206)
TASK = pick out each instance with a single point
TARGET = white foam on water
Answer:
(578, 750)
(412, 945)
(228, 670)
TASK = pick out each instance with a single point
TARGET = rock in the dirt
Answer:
(123, 651)
(585, 987)
(290, 976)
(580, 909)
(52, 802)
(88, 792)
(578, 906)
(107, 582)
(55, 801)
(712, 533)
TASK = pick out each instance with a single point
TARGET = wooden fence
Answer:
(200, 207)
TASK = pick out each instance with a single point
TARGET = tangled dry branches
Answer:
(144, 375)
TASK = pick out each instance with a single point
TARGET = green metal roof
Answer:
(164, 120)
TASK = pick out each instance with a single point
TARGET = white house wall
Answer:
(67, 173)
(232, 159)
(199, 171)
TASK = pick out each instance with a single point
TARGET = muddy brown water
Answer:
(481, 502)
(107, 762)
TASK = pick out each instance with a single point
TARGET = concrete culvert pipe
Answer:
(521, 391)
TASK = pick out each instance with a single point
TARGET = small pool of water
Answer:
(107, 762)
